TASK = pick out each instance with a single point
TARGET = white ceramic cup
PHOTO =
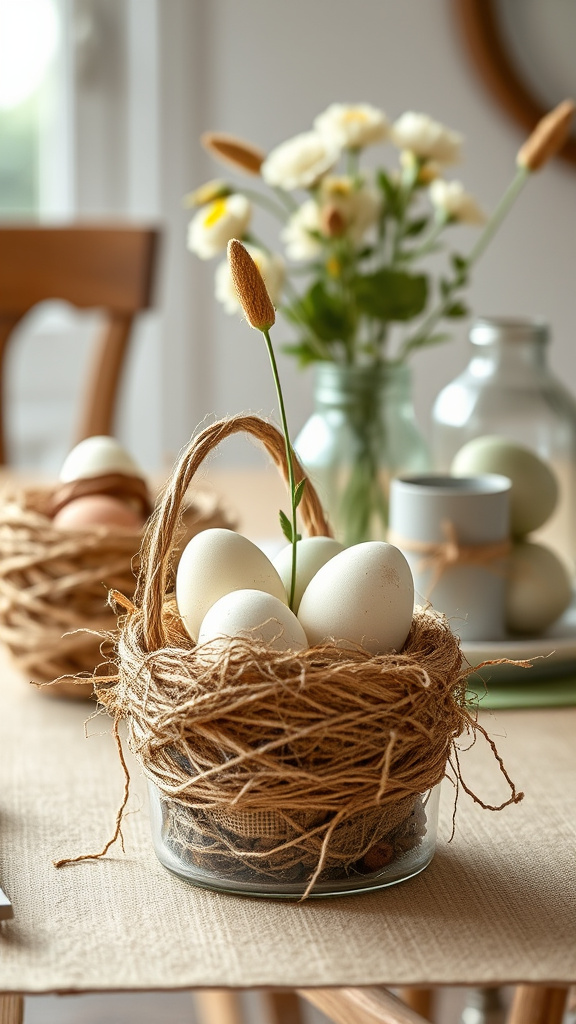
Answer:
(436, 518)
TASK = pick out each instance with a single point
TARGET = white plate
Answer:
(554, 652)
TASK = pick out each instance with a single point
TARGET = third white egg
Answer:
(311, 554)
(363, 596)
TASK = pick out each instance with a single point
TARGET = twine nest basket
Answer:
(279, 773)
(54, 585)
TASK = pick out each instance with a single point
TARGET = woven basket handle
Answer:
(157, 544)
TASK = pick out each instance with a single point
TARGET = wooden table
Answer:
(497, 906)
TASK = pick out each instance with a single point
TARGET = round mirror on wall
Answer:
(524, 53)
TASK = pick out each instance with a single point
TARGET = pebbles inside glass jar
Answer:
(260, 853)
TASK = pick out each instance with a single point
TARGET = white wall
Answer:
(269, 67)
(155, 73)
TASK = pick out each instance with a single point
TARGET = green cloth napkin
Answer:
(539, 693)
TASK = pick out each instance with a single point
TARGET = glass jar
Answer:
(363, 432)
(251, 852)
(508, 390)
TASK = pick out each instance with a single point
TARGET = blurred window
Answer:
(31, 43)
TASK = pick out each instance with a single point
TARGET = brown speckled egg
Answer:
(98, 510)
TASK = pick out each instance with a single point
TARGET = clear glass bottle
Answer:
(362, 433)
(508, 390)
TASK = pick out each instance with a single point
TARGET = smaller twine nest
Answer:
(54, 583)
(282, 766)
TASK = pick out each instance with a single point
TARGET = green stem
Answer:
(265, 202)
(286, 199)
(289, 460)
(425, 247)
(492, 225)
(490, 228)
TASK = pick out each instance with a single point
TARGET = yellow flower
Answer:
(216, 223)
(207, 193)
(427, 138)
(299, 162)
(352, 127)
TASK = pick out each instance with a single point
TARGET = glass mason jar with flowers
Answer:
(353, 282)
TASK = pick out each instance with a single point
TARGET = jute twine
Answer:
(280, 761)
(439, 556)
(54, 585)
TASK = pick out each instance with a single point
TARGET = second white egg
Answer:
(363, 596)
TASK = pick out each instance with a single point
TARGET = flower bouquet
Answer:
(357, 288)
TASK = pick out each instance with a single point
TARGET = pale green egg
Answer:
(534, 491)
(538, 588)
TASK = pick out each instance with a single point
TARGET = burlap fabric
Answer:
(54, 585)
(496, 906)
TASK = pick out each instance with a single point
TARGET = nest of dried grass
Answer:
(317, 755)
(54, 585)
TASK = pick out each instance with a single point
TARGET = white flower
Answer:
(299, 162)
(271, 267)
(359, 207)
(300, 243)
(450, 199)
(215, 224)
(352, 127)
(426, 138)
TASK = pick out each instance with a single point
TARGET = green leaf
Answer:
(435, 339)
(328, 315)
(455, 310)
(459, 262)
(391, 294)
(426, 341)
(390, 191)
(299, 491)
(304, 352)
(416, 227)
(286, 526)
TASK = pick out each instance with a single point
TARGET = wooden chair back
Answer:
(106, 267)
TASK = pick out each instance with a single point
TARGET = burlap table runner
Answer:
(497, 905)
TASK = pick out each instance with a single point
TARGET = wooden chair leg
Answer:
(361, 1006)
(538, 1004)
(419, 999)
(217, 1006)
(11, 1009)
(282, 1008)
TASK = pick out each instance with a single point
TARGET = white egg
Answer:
(216, 562)
(538, 588)
(254, 615)
(96, 456)
(364, 596)
(311, 554)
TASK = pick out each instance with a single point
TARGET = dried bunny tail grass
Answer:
(241, 155)
(548, 137)
(250, 287)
